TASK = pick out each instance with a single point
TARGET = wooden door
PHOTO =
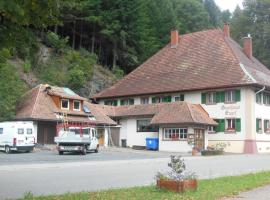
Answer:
(199, 139)
(101, 136)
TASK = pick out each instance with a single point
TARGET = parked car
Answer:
(77, 139)
(17, 136)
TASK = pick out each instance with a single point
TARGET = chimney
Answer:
(247, 46)
(226, 30)
(174, 38)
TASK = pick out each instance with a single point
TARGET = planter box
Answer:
(211, 152)
(177, 186)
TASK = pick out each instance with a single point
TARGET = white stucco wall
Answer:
(263, 139)
(129, 132)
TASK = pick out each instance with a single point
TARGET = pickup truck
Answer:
(77, 139)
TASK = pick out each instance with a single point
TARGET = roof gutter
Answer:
(261, 90)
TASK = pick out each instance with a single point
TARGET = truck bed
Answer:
(70, 140)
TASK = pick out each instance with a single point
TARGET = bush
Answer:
(55, 41)
(76, 79)
(118, 72)
(26, 66)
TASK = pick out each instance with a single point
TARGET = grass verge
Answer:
(207, 190)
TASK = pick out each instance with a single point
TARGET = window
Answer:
(20, 131)
(145, 126)
(125, 102)
(259, 98)
(230, 96)
(1, 130)
(76, 105)
(266, 126)
(266, 98)
(230, 125)
(111, 102)
(160, 99)
(211, 129)
(259, 125)
(145, 100)
(211, 98)
(181, 97)
(64, 103)
(29, 131)
(175, 134)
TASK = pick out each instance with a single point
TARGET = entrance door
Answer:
(199, 138)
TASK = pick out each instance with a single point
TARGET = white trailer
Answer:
(17, 136)
(77, 139)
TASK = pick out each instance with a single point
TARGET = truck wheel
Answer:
(60, 152)
(84, 151)
(7, 149)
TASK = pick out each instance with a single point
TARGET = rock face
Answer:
(102, 78)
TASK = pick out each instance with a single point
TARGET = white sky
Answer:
(229, 4)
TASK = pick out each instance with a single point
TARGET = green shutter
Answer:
(203, 97)
(222, 96)
(217, 128)
(222, 125)
(122, 102)
(182, 97)
(238, 125)
(115, 103)
(257, 125)
(154, 99)
(217, 97)
(237, 95)
(131, 101)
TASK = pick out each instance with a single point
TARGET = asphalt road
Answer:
(57, 178)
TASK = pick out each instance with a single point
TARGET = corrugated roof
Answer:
(202, 60)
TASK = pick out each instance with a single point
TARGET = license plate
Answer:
(20, 141)
(70, 148)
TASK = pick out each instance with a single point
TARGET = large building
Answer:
(207, 68)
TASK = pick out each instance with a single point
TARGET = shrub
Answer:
(55, 41)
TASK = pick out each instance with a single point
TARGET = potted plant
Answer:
(217, 149)
(178, 179)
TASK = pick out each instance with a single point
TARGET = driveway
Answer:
(51, 156)
(137, 170)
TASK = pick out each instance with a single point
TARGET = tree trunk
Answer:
(93, 39)
(55, 29)
(81, 33)
(73, 35)
(114, 55)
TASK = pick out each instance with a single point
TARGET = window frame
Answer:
(230, 130)
(170, 131)
(79, 109)
(18, 131)
(260, 129)
(212, 131)
(232, 96)
(260, 97)
(28, 130)
(1, 131)
(267, 129)
(62, 104)
(213, 98)
(143, 100)
(152, 128)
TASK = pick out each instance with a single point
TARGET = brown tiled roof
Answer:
(202, 60)
(36, 104)
(163, 113)
(64, 93)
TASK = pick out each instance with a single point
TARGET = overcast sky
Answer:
(228, 4)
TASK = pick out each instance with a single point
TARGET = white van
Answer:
(17, 136)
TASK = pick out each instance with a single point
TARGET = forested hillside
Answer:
(88, 44)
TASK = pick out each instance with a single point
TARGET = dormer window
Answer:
(64, 104)
(76, 105)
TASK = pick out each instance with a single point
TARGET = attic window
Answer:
(64, 104)
(76, 105)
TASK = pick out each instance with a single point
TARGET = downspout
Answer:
(261, 90)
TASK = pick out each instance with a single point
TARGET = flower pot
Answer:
(177, 186)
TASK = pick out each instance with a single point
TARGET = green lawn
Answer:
(207, 190)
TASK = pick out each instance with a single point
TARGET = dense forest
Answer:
(61, 41)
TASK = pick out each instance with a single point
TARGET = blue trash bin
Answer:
(152, 143)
